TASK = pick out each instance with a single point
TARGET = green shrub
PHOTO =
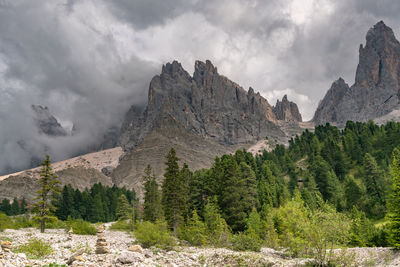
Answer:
(248, 240)
(35, 249)
(195, 232)
(121, 225)
(23, 222)
(5, 222)
(154, 234)
(81, 227)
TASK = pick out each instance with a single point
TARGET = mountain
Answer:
(46, 122)
(286, 110)
(207, 104)
(375, 92)
(202, 116)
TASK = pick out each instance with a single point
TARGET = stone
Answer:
(6, 246)
(376, 91)
(136, 248)
(75, 256)
(130, 257)
(102, 250)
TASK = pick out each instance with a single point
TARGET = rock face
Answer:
(47, 123)
(286, 110)
(207, 104)
(201, 116)
(377, 83)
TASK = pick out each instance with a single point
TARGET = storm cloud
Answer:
(89, 60)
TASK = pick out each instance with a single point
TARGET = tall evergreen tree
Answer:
(124, 209)
(374, 183)
(5, 206)
(152, 209)
(15, 207)
(394, 204)
(174, 193)
(49, 189)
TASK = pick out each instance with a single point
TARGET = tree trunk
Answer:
(42, 225)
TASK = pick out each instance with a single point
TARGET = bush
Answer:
(195, 232)
(23, 222)
(35, 249)
(248, 240)
(154, 234)
(81, 227)
(121, 225)
(5, 222)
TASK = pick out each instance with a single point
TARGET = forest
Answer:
(329, 188)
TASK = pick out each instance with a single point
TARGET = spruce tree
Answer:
(15, 207)
(174, 192)
(23, 207)
(375, 189)
(5, 206)
(152, 209)
(49, 189)
(124, 209)
(394, 203)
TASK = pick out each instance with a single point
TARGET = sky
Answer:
(88, 61)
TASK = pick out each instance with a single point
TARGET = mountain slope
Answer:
(375, 92)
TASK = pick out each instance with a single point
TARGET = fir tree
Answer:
(174, 192)
(23, 207)
(152, 209)
(124, 209)
(394, 204)
(5, 206)
(47, 193)
(15, 207)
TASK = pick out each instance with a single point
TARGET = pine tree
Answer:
(47, 193)
(152, 209)
(394, 203)
(239, 193)
(5, 206)
(124, 209)
(15, 207)
(23, 208)
(374, 183)
(174, 192)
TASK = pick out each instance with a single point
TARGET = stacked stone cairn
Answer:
(70, 232)
(101, 244)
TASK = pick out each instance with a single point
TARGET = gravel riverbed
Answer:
(120, 254)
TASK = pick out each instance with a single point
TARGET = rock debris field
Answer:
(79, 250)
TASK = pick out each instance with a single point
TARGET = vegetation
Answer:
(48, 191)
(326, 190)
(175, 191)
(152, 210)
(35, 249)
(81, 227)
(154, 234)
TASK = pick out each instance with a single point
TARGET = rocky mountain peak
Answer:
(207, 104)
(377, 82)
(46, 122)
(286, 110)
(379, 60)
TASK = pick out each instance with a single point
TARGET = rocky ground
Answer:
(122, 253)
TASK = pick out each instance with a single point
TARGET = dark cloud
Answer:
(88, 60)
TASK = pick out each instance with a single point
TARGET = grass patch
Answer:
(121, 225)
(81, 227)
(154, 234)
(35, 249)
